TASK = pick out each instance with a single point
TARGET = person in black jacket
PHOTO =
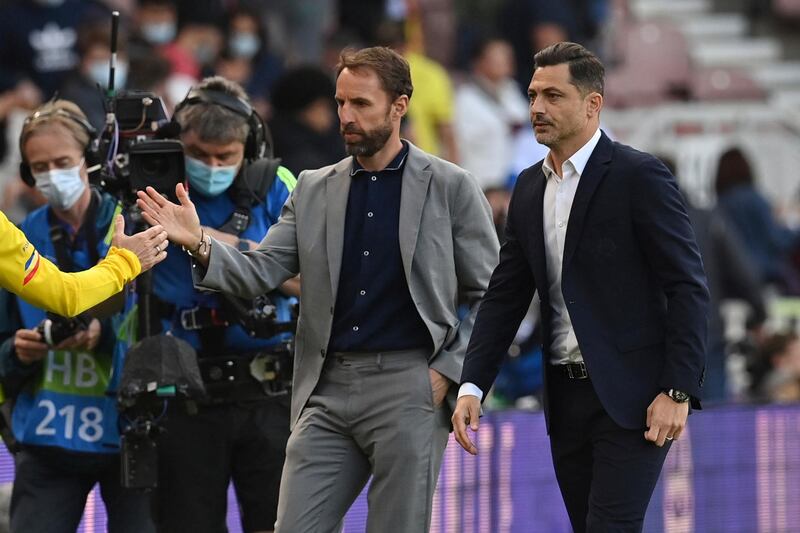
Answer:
(305, 125)
(600, 230)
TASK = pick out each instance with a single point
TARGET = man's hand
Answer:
(468, 409)
(150, 245)
(439, 387)
(29, 346)
(85, 339)
(665, 419)
(179, 221)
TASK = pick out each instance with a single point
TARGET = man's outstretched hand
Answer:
(180, 221)
(467, 412)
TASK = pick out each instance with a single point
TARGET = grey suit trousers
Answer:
(370, 414)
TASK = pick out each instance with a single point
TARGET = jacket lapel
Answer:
(337, 189)
(416, 178)
(537, 226)
(593, 174)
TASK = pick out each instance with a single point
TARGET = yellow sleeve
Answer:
(38, 281)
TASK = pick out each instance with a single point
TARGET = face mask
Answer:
(244, 44)
(158, 32)
(98, 73)
(204, 53)
(208, 180)
(61, 186)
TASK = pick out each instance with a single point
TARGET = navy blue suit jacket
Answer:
(632, 279)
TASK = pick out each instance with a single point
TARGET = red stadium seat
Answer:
(724, 84)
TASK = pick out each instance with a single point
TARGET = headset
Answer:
(91, 153)
(259, 139)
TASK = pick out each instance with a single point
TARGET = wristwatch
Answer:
(676, 395)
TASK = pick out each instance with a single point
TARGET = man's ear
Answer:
(594, 104)
(400, 106)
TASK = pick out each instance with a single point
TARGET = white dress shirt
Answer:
(559, 193)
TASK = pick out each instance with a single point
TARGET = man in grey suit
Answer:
(389, 243)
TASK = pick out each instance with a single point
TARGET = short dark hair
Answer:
(392, 69)
(733, 170)
(215, 123)
(586, 71)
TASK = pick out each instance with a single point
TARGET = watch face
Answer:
(678, 396)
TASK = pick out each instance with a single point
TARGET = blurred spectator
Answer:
(434, 25)
(767, 242)
(363, 18)
(334, 44)
(297, 30)
(489, 109)
(304, 124)
(38, 40)
(498, 198)
(86, 85)
(777, 373)
(195, 50)
(202, 11)
(156, 22)
(247, 59)
(531, 25)
(474, 19)
(430, 112)
(149, 72)
(731, 275)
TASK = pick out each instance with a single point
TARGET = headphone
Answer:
(259, 139)
(91, 153)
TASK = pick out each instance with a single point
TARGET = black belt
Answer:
(572, 370)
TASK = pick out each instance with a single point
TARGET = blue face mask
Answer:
(244, 44)
(98, 73)
(159, 32)
(208, 180)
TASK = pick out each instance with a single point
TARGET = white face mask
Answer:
(62, 187)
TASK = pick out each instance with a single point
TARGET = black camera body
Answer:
(139, 432)
(54, 329)
(136, 156)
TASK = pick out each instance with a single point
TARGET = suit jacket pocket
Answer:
(638, 338)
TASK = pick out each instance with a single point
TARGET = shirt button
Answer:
(370, 214)
(322, 352)
(355, 328)
(362, 292)
(374, 178)
(561, 224)
(366, 253)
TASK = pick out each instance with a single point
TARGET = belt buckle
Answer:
(189, 320)
(583, 373)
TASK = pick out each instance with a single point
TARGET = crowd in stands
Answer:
(471, 62)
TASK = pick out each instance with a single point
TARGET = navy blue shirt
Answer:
(374, 310)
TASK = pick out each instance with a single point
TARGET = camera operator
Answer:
(239, 433)
(64, 372)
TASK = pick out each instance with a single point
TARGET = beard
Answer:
(371, 141)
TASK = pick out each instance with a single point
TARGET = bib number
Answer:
(89, 426)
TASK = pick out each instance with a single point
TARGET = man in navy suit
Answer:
(600, 230)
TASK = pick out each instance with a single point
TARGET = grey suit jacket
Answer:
(447, 242)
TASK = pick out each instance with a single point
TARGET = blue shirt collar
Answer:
(395, 164)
